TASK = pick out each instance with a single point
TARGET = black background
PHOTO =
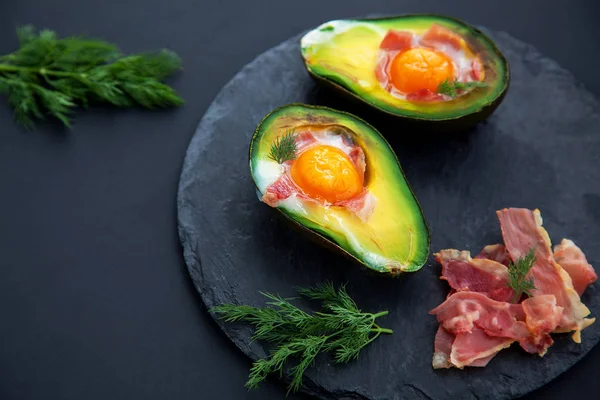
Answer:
(95, 300)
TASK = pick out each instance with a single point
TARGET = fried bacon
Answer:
(477, 319)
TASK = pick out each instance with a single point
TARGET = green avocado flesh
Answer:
(345, 53)
(394, 238)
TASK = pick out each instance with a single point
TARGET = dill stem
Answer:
(380, 314)
(517, 296)
(377, 328)
(42, 71)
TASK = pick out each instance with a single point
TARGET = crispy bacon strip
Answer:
(476, 348)
(522, 230)
(480, 275)
(529, 323)
(542, 316)
(572, 259)
(463, 310)
(443, 347)
(495, 252)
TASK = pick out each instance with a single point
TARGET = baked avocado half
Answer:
(333, 175)
(428, 68)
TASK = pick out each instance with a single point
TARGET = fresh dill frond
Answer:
(284, 147)
(517, 274)
(50, 76)
(454, 88)
(340, 329)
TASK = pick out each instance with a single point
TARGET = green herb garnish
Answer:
(284, 147)
(48, 75)
(452, 88)
(517, 273)
(339, 328)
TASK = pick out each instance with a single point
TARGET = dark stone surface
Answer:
(540, 149)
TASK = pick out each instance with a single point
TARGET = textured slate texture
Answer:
(540, 149)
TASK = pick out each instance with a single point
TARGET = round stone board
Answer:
(539, 150)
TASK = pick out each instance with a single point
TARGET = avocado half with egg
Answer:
(334, 175)
(428, 68)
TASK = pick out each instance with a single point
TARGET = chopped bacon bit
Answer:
(424, 95)
(572, 259)
(495, 252)
(480, 275)
(357, 155)
(355, 204)
(476, 70)
(381, 70)
(362, 205)
(281, 189)
(438, 34)
(522, 230)
(397, 40)
(303, 140)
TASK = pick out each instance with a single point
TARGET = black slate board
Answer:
(540, 149)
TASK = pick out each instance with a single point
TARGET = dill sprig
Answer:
(284, 147)
(454, 88)
(49, 75)
(517, 273)
(340, 328)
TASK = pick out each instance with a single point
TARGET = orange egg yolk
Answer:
(326, 173)
(419, 68)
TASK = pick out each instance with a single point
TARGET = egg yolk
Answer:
(326, 173)
(419, 68)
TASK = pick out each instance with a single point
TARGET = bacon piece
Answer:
(495, 252)
(381, 70)
(281, 189)
(424, 95)
(522, 230)
(480, 275)
(476, 348)
(443, 348)
(572, 259)
(397, 40)
(438, 34)
(461, 311)
(357, 155)
(464, 311)
(362, 205)
(304, 140)
(542, 316)
(476, 70)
